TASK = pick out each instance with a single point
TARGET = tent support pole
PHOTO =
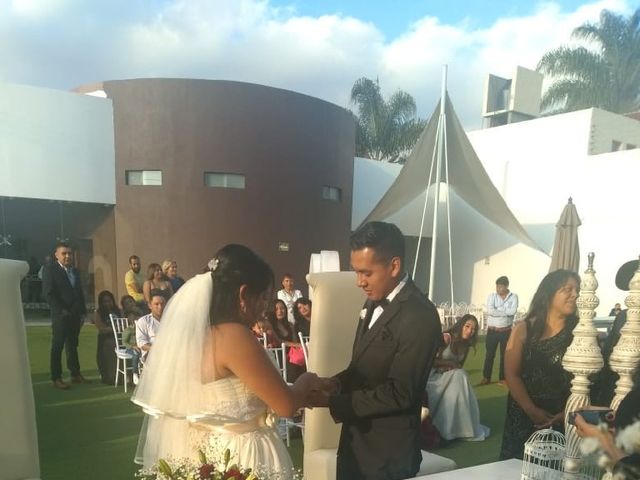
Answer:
(424, 208)
(439, 148)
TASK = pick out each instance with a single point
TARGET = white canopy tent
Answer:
(444, 141)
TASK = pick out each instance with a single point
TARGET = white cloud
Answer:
(64, 43)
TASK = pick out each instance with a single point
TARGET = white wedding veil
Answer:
(171, 389)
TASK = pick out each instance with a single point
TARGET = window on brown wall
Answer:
(333, 194)
(224, 180)
(144, 177)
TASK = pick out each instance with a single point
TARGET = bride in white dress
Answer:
(452, 403)
(208, 384)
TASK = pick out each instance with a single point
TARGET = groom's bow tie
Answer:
(380, 303)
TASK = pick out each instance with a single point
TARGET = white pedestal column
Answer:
(18, 435)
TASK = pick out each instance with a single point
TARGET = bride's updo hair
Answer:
(233, 266)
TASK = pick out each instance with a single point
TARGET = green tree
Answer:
(385, 130)
(604, 71)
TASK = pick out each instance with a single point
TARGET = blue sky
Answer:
(394, 17)
(319, 48)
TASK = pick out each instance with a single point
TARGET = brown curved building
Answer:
(238, 162)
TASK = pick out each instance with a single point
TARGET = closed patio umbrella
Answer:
(566, 251)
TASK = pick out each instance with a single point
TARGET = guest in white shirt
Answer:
(148, 325)
(502, 306)
(289, 295)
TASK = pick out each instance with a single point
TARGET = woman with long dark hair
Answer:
(538, 385)
(452, 402)
(156, 280)
(105, 355)
(208, 384)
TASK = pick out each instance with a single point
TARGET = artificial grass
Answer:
(91, 431)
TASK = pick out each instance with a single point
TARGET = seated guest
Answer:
(156, 281)
(623, 449)
(129, 342)
(538, 385)
(130, 309)
(133, 281)
(278, 316)
(615, 310)
(289, 295)
(105, 355)
(272, 339)
(452, 402)
(147, 326)
(302, 314)
(258, 330)
(170, 270)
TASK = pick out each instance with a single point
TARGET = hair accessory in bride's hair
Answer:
(213, 264)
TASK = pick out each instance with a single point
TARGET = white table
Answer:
(504, 470)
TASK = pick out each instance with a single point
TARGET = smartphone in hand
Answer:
(594, 416)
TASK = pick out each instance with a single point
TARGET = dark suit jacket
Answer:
(66, 301)
(381, 389)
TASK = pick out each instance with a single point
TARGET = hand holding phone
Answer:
(594, 416)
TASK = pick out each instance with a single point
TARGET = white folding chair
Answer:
(278, 356)
(304, 341)
(118, 326)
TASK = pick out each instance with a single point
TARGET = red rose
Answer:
(233, 474)
(206, 471)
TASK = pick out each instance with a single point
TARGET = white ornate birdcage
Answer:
(543, 456)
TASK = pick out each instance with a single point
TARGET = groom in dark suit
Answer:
(62, 289)
(378, 397)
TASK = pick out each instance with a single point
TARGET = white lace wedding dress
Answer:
(240, 421)
(184, 414)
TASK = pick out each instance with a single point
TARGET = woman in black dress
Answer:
(538, 385)
(105, 356)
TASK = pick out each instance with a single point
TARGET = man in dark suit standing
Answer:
(62, 289)
(378, 397)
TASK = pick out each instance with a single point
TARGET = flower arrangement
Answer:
(204, 470)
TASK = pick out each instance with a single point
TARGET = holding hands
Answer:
(316, 390)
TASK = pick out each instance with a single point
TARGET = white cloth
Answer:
(379, 309)
(500, 311)
(289, 299)
(184, 414)
(147, 328)
(452, 403)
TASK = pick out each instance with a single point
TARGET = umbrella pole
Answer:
(439, 147)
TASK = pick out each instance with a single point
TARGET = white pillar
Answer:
(626, 354)
(18, 435)
(583, 358)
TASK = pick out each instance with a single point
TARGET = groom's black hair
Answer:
(385, 239)
(236, 265)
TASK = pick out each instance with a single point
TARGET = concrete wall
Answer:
(287, 145)
(56, 145)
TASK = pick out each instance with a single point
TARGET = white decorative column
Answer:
(626, 354)
(18, 435)
(583, 358)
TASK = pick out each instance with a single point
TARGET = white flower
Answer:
(363, 313)
(628, 438)
(213, 264)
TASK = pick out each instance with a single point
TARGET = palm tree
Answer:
(604, 72)
(385, 130)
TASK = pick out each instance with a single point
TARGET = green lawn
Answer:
(91, 431)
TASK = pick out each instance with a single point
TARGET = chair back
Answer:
(279, 358)
(118, 325)
(304, 342)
